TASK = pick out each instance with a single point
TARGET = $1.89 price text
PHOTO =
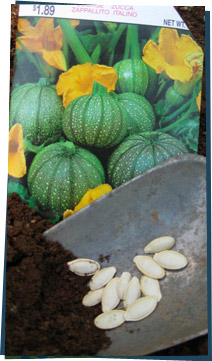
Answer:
(44, 10)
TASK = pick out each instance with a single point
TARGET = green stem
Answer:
(96, 54)
(65, 51)
(31, 58)
(173, 125)
(179, 110)
(98, 89)
(74, 42)
(135, 48)
(160, 89)
(111, 59)
(99, 27)
(127, 44)
(29, 147)
(113, 42)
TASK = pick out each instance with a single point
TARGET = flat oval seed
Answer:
(102, 277)
(83, 266)
(110, 298)
(141, 308)
(92, 298)
(122, 284)
(132, 292)
(171, 260)
(110, 319)
(149, 267)
(150, 287)
(159, 244)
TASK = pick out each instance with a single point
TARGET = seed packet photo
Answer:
(106, 250)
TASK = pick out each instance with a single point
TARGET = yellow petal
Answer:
(55, 58)
(182, 73)
(16, 157)
(44, 24)
(25, 27)
(67, 213)
(171, 54)
(167, 45)
(105, 75)
(74, 23)
(153, 57)
(41, 37)
(33, 45)
(79, 79)
(187, 45)
(90, 196)
(198, 100)
(100, 191)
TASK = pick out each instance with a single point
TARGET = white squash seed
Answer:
(171, 260)
(159, 244)
(110, 319)
(102, 277)
(92, 298)
(122, 284)
(141, 308)
(150, 287)
(83, 266)
(132, 292)
(149, 267)
(110, 298)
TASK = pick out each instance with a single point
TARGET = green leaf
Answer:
(19, 189)
(90, 41)
(188, 133)
(159, 107)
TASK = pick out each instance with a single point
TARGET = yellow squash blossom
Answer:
(44, 39)
(79, 79)
(198, 100)
(90, 196)
(16, 157)
(180, 57)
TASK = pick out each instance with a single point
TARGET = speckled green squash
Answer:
(96, 120)
(140, 152)
(61, 174)
(132, 76)
(141, 117)
(39, 110)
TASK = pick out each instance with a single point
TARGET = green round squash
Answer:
(141, 117)
(132, 76)
(96, 119)
(140, 152)
(61, 174)
(39, 110)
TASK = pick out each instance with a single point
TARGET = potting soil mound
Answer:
(44, 313)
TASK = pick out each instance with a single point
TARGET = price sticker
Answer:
(45, 10)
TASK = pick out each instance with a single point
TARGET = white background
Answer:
(4, 86)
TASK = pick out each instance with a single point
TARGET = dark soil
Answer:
(44, 311)
(44, 314)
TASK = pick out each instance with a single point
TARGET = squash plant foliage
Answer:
(98, 102)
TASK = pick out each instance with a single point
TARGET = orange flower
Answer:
(43, 39)
(16, 157)
(79, 79)
(180, 57)
(90, 196)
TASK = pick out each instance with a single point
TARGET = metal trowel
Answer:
(169, 199)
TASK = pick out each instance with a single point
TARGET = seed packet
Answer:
(112, 82)
(103, 96)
